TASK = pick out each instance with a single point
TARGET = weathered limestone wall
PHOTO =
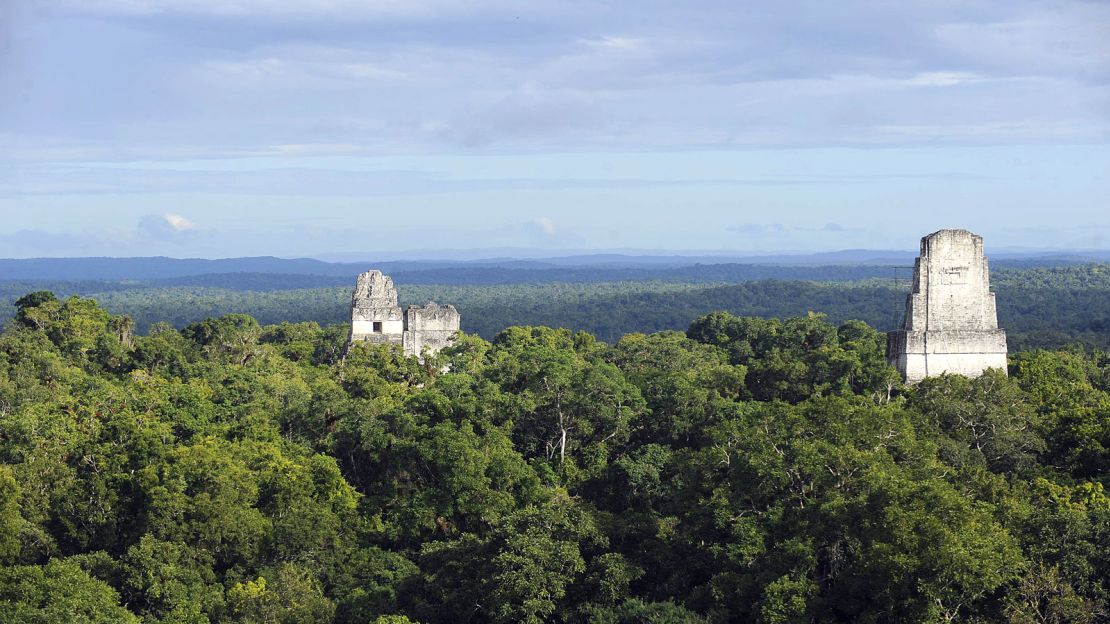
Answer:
(950, 324)
(376, 317)
(375, 314)
(430, 327)
(918, 355)
(951, 288)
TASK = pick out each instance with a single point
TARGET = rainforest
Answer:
(744, 470)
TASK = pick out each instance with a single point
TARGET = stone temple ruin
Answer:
(950, 325)
(376, 317)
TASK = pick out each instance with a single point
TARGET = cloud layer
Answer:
(385, 76)
(585, 114)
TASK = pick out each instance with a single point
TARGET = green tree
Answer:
(59, 592)
(1071, 408)
(565, 401)
(232, 338)
(34, 309)
(11, 522)
(1045, 597)
(538, 556)
(293, 596)
(170, 582)
(988, 420)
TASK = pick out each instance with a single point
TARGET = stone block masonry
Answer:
(376, 317)
(430, 327)
(950, 323)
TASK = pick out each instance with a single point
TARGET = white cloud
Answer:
(943, 79)
(292, 70)
(333, 10)
(623, 44)
(168, 227)
(545, 225)
(178, 223)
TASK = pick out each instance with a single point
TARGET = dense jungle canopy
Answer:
(746, 470)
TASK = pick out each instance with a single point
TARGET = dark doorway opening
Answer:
(377, 327)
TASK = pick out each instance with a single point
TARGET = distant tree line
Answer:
(1040, 307)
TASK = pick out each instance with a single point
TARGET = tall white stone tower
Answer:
(375, 315)
(950, 325)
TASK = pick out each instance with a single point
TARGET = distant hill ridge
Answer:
(638, 267)
(470, 275)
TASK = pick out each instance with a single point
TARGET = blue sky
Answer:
(307, 127)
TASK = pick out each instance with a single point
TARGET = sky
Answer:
(205, 128)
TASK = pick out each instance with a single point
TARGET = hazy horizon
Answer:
(481, 254)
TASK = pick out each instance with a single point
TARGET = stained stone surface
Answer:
(430, 327)
(950, 324)
(376, 317)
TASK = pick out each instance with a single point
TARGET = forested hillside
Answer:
(747, 470)
(1040, 307)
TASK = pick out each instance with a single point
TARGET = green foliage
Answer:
(799, 357)
(1071, 399)
(987, 420)
(27, 306)
(232, 338)
(749, 470)
(293, 596)
(59, 592)
(538, 555)
(11, 522)
(567, 405)
(165, 582)
(1045, 597)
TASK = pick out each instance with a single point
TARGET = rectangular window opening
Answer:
(377, 327)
